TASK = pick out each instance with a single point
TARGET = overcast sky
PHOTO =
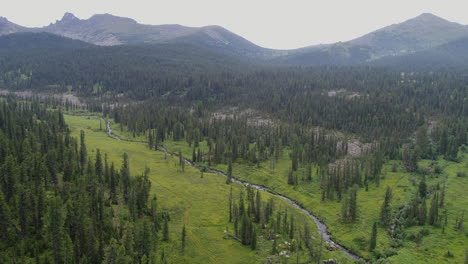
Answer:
(276, 24)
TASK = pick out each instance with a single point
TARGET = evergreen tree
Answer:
(230, 204)
(125, 176)
(434, 211)
(229, 173)
(183, 239)
(385, 212)
(258, 207)
(423, 187)
(373, 240)
(181, 161)
(422, 212)
(166, 230)
(353, 206)
(5, 220)
(55, 228)
(99, 170)
(253, 243)
(422, 141)
(274, 248)
(83, 151)
(442, 196)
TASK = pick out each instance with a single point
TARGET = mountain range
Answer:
(420, 34)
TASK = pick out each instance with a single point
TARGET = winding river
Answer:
(322, 228)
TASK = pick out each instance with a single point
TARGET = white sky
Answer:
(276, 24)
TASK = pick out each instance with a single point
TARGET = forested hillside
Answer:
(59, 204)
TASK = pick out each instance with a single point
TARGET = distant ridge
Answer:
(423, 32)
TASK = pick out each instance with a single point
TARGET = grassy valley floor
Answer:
(199, 203)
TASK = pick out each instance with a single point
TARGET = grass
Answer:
(355, 236)
(434, 247)
(199, 203)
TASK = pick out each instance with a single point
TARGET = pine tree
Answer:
(83, 152)
(246, 230)
(291, 180)
(229, 173)
(230, 205)
(55, 228)
(112, 182)
(253, 242)
(125, 175)
(166, 230)
(353, 207)
(445, 221)
(181, 161)
(459, 223)
(434, 211)
(274, 248)
(442, 196)
(98, 166)
(386, 210)
(294, 160)
(422, 187)
(291, 228)
(5, 218)
(423, 141)
(422, 212)
(373, 240)
(106, 170)
(8, 176)
(258, 207)
(144, 242)
(309, 173)
(183, 239)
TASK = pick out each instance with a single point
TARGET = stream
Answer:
(322, 228)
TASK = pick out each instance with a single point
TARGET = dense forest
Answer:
(59, 203)
(372, 102)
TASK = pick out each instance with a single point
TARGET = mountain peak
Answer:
(429, 18)
(69, 17)
(3, 19)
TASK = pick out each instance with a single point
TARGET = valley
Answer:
(129, 143)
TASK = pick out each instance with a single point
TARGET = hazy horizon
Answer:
(270, 24)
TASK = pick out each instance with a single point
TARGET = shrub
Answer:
(449, 254)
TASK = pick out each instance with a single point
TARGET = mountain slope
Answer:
(7, 27)
(448, 56)
(60, 63)
(36, 43)
(420, 33)
(333, 54)
(109, 30)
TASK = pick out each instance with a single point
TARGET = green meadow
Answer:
(199, 203)
(355, 236)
